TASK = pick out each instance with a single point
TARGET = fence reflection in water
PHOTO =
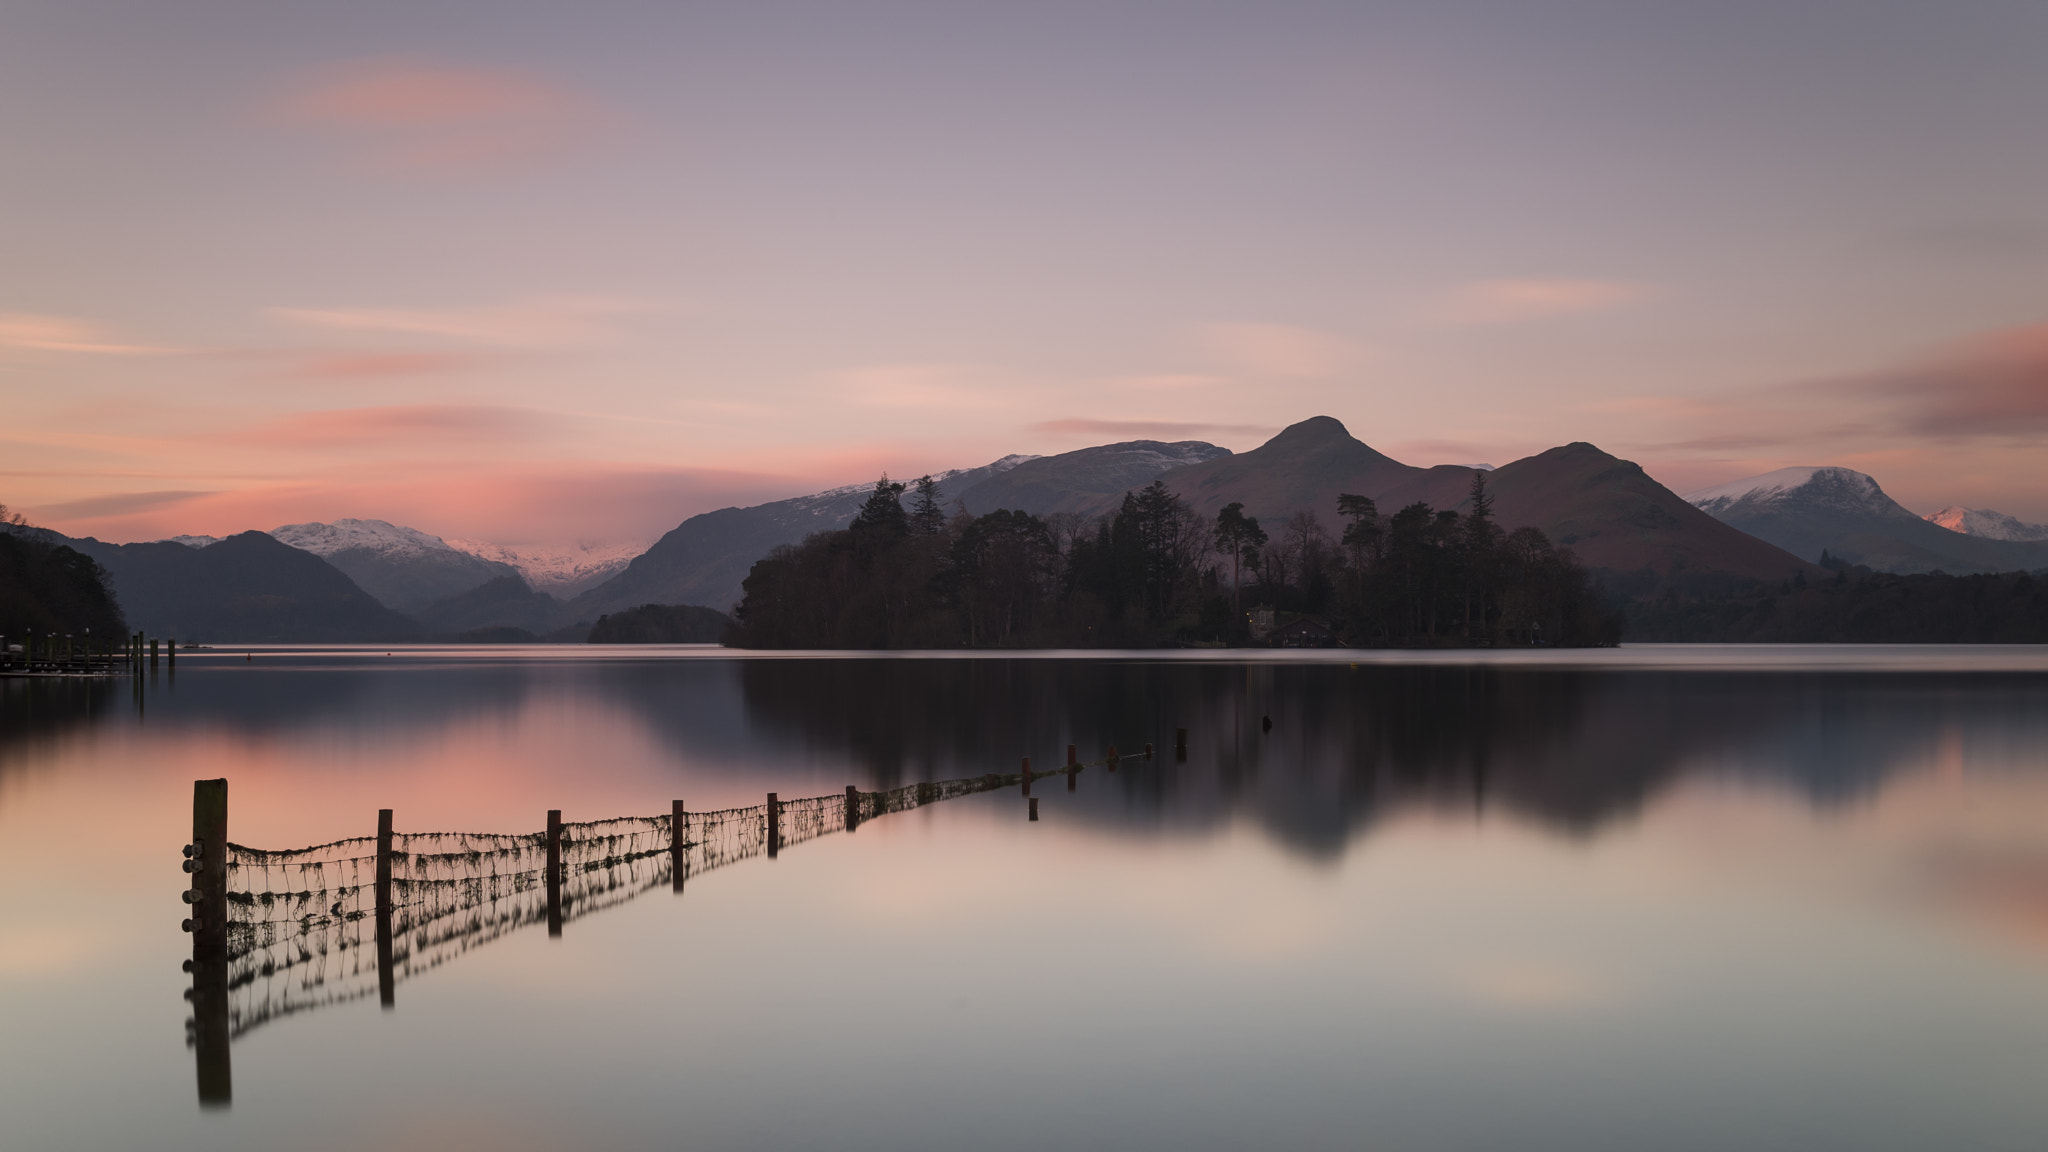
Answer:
(307, 928)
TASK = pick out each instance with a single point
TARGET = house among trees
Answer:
(1303, 632)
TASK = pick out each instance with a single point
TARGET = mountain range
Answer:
(1848, 516)
(369, 580)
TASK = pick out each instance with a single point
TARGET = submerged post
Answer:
(852, 808)
(208, 864)
(387, 981)
(1034, 807)
(774, 826)
(678, 823)
(152, 653)
(554, 871)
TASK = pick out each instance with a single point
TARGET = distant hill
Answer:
(1087, 481)
(1845, 513)
(1984, 522)
(506, 602)
(1607, 510)
(250, 588)
(703, 559)
(404, 568)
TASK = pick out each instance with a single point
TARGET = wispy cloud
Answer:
(434, 423)
(420, 116)
(533, 323)
(373, 366)
(36, 332)
(1515, 301)
(1992, 386)
(933, 387)
(118, 504)
(1149, 429)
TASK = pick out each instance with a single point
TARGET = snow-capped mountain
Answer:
(1846, 513)
(406, 569)
(191, 541)
(561, 570)
(1986, 523)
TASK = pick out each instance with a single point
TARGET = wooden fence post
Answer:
(678, 824)
(554, 871)
(209, 923)
(387, 981)
(774, 826)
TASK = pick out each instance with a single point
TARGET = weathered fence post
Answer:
(1034, 807)
(1180, 744)
(387, 981)
(678, 823)
(1027, 776)
(554, 871)
(209, 898)
(852, 808)
(774, 826)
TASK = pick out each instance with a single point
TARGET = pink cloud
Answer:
(420, 116)
(1149, 429)
(1995, 385)
(374, 365)
(436, 423)
(542, 504)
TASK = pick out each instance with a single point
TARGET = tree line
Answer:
(1857, 606)
(906, 574)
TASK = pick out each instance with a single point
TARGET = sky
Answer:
(552, 273)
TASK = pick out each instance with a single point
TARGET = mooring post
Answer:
(554, 871)
(152, 653)
(852, 808)
(1071, 758)
(1034, 807)
(208, 864)
(1180, 744)
(678, 825)
(1027, 776)
(774, 826)
(387, 981)
(172, 644)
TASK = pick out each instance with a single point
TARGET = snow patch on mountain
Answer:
(561, 570)
(1843, 489)
(1986, 523)
(378, 536)
(191, 541)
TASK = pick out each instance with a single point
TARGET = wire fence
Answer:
(302, 924)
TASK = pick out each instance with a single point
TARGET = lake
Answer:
(1670, 898)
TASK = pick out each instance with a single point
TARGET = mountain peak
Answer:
(380, 536)
(1986, 523)
(1840, 487)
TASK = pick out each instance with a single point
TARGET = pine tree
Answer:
(927, 517)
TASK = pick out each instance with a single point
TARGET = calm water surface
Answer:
(1666, 898)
